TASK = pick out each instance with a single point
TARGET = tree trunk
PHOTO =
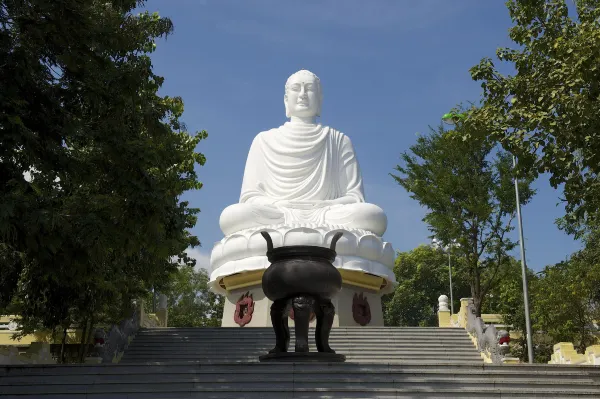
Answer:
(476, 290)
(583, 339)
(82, 341)
(62, 346)
(477, 305)
(88, 338)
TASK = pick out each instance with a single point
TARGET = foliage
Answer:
(422, 276)
(547, 112)
(468, 188)
(567, 299)
(191, 303)
(506, 298)
(92, 162)
(564, 302)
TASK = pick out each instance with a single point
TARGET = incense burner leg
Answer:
(325, 313)
(279, 319)
(303, 306)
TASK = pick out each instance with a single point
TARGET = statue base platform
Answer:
(303, 357)
(354, 307)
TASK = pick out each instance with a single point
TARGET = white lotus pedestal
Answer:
(364, 260)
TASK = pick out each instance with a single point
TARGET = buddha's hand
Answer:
(306, 205)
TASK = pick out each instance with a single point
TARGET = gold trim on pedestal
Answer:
(351, 277)
(364, 280)
(241, 280)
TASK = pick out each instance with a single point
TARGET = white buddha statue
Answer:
(302, 183)
(302, 172)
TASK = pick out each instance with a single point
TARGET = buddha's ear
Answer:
(320, 102)
(285, 103)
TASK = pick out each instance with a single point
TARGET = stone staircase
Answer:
(222, 363)
(359, 344)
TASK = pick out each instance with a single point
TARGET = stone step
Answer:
(233, 340)
(500, 378)
(262, 342)
(348, 328)
(262, 348)
(298, 368)
(257, 331)
(268, 342)
(349, 360)
(334, 330)
(124, 384)
(311, 333)
(326, 389)
(345, 350)
(247, 332)
(317, 394)
(365, 338)
(358, 333)
(338, 340)
(268, 346)
(349, 357)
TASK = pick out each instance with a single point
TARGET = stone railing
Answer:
(36, 353)
(110, 344)
(491, 342)
(565, 353)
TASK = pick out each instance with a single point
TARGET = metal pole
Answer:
(523, 270)
(153, 300)
(450, 277)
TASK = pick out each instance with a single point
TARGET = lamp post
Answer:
(453, 118)
(448, 248)
(523, 270)
(153, 300)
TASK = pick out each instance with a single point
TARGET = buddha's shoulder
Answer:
(263, 136)
(267, 133)
(339, 136)
(330, 131)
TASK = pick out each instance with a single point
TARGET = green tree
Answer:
(506, 298)
(467, 187)
(567, 301)
(547, 112)
(191, 303)
(422, 276)
(93, 162)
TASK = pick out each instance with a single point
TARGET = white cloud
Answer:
(202, 258)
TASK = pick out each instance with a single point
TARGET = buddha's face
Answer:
(302, 96)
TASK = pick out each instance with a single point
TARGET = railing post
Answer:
(162, 312)
(443, 312)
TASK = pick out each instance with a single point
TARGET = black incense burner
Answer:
(301, 277)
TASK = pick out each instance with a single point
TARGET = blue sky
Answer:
(389, 69)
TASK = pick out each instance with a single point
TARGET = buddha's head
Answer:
(303, 95)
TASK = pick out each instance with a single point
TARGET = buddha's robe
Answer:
(302, 173)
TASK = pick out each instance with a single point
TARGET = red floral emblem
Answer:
(244, 308)
(312, 315)
(361, 310)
